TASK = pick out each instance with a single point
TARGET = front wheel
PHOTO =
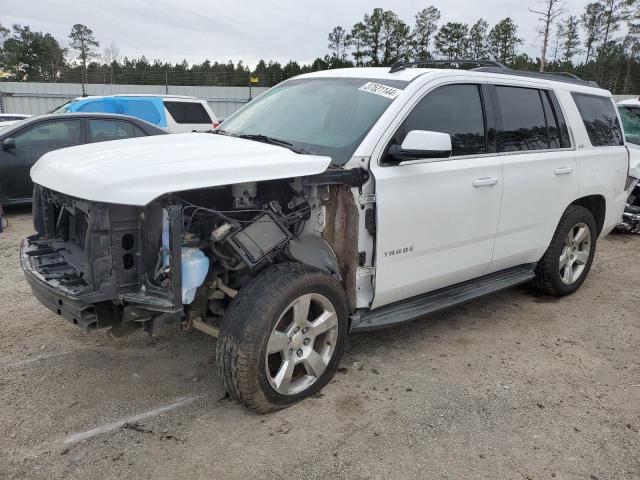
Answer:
(283, 336)
(567, 261)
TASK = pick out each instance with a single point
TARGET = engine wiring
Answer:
(208, 219)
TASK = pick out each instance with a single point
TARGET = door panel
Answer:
(537, 189)
(435, 228)
(14, 173)
(33, 142)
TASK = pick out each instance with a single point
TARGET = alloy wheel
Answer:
(301, 344)
(575, 253)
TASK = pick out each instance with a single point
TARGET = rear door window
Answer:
(105, 130)
(188, 112)
(146, 109)
(453, 109)
(556, 124)
(600, 119)
(524, 125)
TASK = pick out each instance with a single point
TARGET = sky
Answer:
(247, 30)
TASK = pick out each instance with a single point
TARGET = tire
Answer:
(262, 315)
(552, 274)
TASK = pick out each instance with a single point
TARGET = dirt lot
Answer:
(513, 386)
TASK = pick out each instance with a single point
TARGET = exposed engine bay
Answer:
(185, 255)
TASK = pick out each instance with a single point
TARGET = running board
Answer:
(416, 307)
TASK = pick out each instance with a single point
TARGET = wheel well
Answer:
(596, 204)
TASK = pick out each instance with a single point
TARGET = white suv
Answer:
(174, 113)
(338, 201)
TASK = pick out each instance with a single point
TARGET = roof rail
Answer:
(398, 66)
(555, 76)
(491, 66)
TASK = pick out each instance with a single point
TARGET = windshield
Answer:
(321, 116)
(631, 123)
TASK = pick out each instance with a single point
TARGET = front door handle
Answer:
(485, 182)
(563, 171)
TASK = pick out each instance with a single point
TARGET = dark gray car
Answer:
(23, 143)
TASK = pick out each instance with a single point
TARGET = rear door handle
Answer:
(485, 182)
(563, 171)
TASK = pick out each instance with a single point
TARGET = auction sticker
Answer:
(379, 89)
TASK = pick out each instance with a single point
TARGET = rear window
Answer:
(188, 112)
(600, 119)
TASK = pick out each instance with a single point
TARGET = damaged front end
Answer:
(630, 222)
(185, 255)
(90, 260)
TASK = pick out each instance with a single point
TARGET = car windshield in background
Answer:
(631, 123)
(321, 116)
(64, 108)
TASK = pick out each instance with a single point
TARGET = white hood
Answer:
(136, 171)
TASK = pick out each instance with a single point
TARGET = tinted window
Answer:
(524, 126)
(453, 109)
(600, 119)
(60, 133)
(565, 140)
(104, 130)
(187, 112)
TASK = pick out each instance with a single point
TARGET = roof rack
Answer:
(398, 66)
(491, 66)
(565, 77)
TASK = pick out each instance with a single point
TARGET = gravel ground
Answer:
(512, 386)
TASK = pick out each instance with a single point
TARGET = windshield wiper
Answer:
(272, 141)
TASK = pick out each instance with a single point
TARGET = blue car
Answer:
(176, 114)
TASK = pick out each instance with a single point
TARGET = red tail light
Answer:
(216, 125)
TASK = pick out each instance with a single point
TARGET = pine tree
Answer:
(452, 41)
(425, 29)
(503, 40)
(478, 46)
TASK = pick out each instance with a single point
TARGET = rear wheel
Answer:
(282, 337)
(567, 261)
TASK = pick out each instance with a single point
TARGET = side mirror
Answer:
(8, 144)
(420, 144)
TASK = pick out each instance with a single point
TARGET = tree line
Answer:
(601, 43)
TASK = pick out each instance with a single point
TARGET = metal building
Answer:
(35, 98)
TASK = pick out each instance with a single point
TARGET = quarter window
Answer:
(453, 109)
(188, 112)
(600, 119)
